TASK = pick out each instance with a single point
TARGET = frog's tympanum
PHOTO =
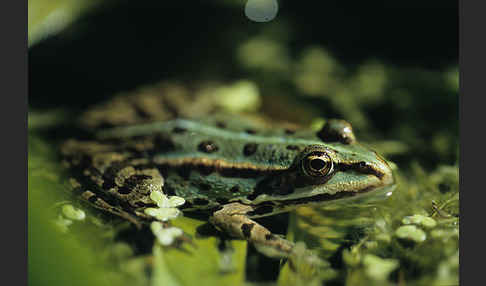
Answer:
(232, 172)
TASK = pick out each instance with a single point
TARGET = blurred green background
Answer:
(392, 72)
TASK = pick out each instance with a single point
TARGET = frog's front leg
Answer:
(233, 219)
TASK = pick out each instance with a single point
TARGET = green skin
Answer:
(355, 168)
(238, 172)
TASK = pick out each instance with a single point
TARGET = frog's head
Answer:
(326, 172)
(339, 167)
(339, 170)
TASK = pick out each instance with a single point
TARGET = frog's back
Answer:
(210, 162)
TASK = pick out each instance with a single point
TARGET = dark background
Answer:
(125, 44)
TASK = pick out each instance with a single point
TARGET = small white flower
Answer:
(165, 236)
(163, 214)
(167, 207)
(165, 202)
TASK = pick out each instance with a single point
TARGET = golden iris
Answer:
(317, 164)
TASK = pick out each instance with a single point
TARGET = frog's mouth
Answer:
(368, 195)
(380, 192)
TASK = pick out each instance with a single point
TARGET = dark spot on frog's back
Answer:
(163, 143)
(250, 131)
(249, 149)
(220, 124)
(246, 229)
(235, 189)
(289, 131)
(178, 130)
(207, 147)
(292, 147)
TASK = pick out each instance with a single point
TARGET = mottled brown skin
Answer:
(108, 180)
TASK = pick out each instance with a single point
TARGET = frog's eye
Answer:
(317, 164)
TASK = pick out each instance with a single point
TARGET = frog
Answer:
(229, 170)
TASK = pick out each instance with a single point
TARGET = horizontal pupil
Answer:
(317, 164)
